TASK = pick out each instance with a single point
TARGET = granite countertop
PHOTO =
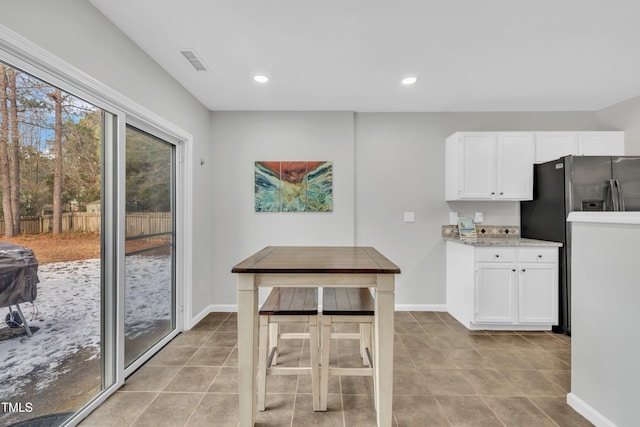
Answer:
(504, 242)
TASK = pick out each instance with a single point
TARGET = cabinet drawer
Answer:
(538, 255)
(496, 254)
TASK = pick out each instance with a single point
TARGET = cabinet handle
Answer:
(539, 256)
(501, 193)
(497, 255)
(493, 193)
(514, 270)
(523, 270)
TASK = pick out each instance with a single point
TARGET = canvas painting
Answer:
(294, 186)
(267, 186)
(319, 186)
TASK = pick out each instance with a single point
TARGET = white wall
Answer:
(76, 32)
(398, 167)
(239, 140)
(623, 116)
(604, 347)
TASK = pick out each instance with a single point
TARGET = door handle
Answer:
(613, 194)
(619, 194)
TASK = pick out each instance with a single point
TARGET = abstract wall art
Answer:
(294, 186)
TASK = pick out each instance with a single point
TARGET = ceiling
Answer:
(350, 55)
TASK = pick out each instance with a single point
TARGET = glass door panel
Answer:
(150, 307)
(56, 348)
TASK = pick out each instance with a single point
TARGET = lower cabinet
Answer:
(495, 296)
(503, 287)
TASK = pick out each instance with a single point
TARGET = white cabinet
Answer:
(537, 293)
(489, 166)
(495, 286)
(514, 165)
(502, 287)
(553, 145)
(600, 144)
(475, 166)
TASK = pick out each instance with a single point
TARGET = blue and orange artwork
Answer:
(294, 186)
(267, 187)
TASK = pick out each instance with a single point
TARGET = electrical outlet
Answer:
(453, 218)
(409, 217)
(478, 218)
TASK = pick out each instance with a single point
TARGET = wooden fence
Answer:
(137, 223)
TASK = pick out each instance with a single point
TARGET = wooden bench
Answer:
(287, 305)
(346, 305)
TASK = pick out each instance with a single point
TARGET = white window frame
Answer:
(24, 54)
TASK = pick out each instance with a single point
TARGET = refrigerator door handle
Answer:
(619, 195)
(612, 196)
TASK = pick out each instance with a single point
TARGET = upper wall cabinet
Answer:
(489, 166)
(553, 145)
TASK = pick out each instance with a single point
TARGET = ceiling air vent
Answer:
(193, 60)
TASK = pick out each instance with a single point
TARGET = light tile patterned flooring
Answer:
(444, 375)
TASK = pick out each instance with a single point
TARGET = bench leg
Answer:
(370, 341)
(324, 363)
(274, 336)
(365, 342)
(262, 362)
(315, 366)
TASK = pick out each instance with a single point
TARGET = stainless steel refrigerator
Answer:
(576, 183)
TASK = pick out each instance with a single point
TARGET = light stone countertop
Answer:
(504, 242)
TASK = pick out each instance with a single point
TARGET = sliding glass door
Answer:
(57, 342)
(91, 203)
(150, 308)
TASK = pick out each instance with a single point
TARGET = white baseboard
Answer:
(197, 318)
(421, 307)
(588, 412)
(211, 308)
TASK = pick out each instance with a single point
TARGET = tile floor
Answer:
(444, 375)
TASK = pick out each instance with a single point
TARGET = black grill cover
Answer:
(18, 274)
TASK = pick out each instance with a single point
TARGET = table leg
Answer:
(247, 348)
(383, 347)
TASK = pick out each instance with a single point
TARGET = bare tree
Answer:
(56, 228)
(14, 153)
(4, 158)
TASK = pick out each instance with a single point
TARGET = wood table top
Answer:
(317, 259)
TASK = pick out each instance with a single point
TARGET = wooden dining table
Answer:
(315, 266)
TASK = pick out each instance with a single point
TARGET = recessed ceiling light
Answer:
(407, 81)
(260, 78)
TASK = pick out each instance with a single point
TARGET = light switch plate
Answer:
(409, 217)
(453, 218)
(478, 218)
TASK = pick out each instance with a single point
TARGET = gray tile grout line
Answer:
(543, 411)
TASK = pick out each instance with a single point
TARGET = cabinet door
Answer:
(553, 145)
(601, 143)
(477, 166)
(515, 166)
(495, 285)
(538, 293)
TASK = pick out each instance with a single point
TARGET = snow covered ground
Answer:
(67, 311)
